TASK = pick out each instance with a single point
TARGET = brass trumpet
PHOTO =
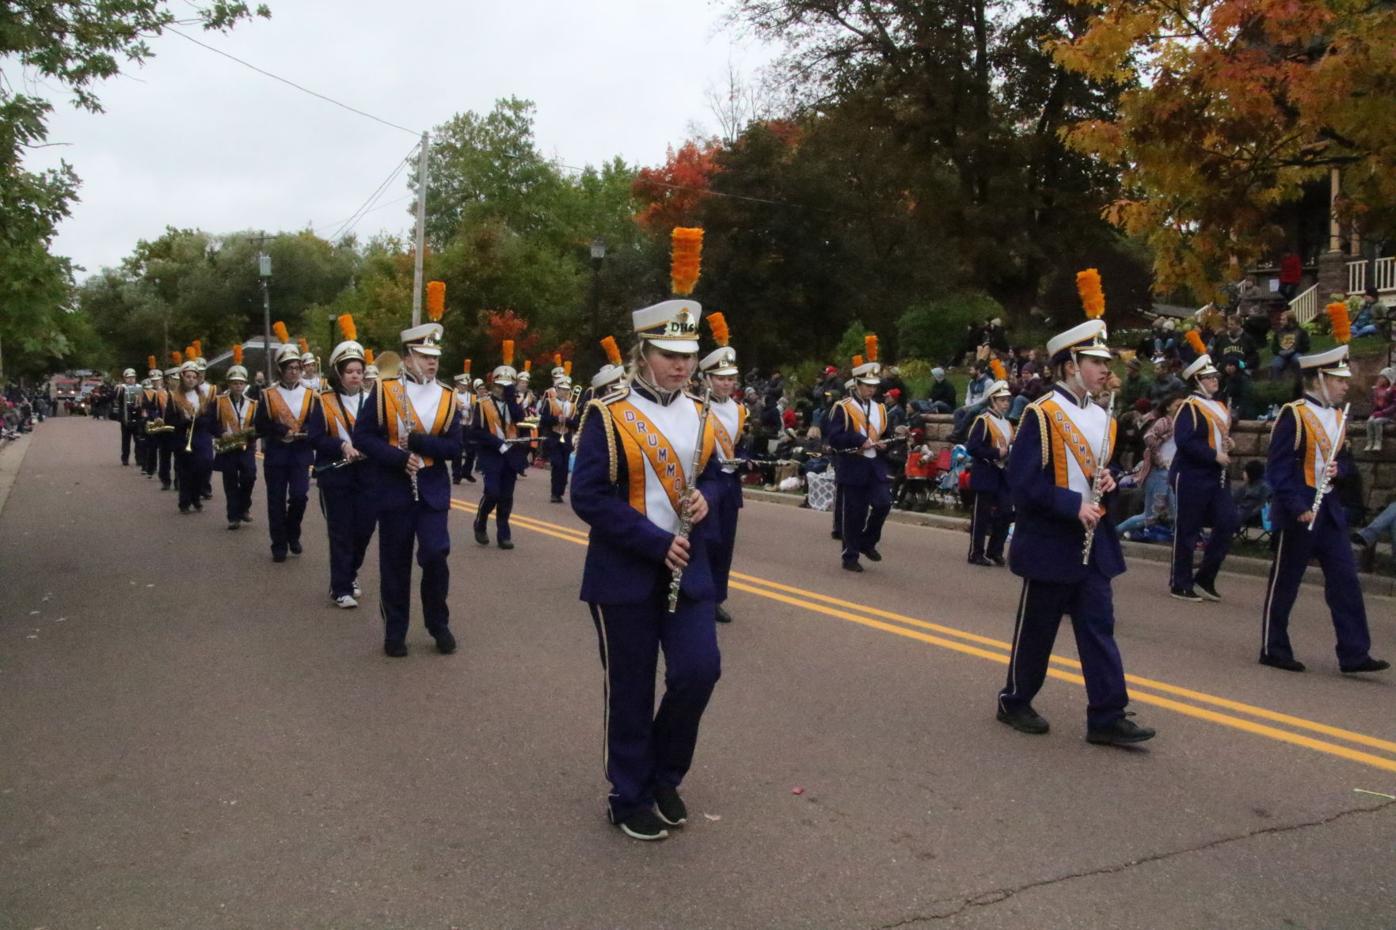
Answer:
(234, 442)
(158, 425)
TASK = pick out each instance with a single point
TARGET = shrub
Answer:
(934, 329)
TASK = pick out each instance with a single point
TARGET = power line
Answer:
(306, 90)
(368, 204)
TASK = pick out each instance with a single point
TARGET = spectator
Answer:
(1159, 449)
(1135, 385)
(1291, 273)
(1256, 322)
(896, 410)
(995, 335)
(1234, 340)
(1029, 390)
(1365, 322)
(1165, 384)
(1238, 390)
(891, 381)
(1252, 496)
(1165, 340)
(1370, 535)
(1383, 408)
(942, 399)
(1133, 422)
(1288, 343)
(975, 397)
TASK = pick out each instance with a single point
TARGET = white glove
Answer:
(503, 448)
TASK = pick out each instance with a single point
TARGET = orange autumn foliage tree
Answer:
(672, 192)
(500, 325)
(1231, 107)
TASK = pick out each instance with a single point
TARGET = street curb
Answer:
(11, 458)
(1372, 585)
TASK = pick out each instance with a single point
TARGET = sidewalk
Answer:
(1372, 585)
(11, 458)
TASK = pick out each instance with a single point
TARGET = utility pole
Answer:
(264, 272)
(421, 231)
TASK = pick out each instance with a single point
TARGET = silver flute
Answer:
(1324, 484)
(685, 516)
(1097, 494)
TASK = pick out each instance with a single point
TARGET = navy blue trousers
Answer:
(645, 748)
(288, 489)
(559, 454)
(349, 520)
(193, 472)
(239, 478)
(838, 511)
(164, 454)
(864, 508)
(1090, 604)
(1201, 503)
(129, 435)
(500, 478)
(721, 549)
(989, 521)
(463, 465)
(1327, 542)
(398, 528)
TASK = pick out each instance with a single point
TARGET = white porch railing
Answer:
(1357, 277)
(1383, 275)
(1305, 305)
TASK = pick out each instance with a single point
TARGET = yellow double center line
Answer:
(1257, 720)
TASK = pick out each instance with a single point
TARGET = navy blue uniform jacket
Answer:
(1284, 472)
(987, 472)
(388, 477)
(853, 468)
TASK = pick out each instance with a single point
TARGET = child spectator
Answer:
(1252, 496)
(1383, 408)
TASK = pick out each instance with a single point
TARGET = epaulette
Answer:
(1293, 408)
(619, 392)
(1042, 428)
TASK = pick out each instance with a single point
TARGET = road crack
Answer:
(958, 905)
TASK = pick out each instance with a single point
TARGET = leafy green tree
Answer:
(935, 329)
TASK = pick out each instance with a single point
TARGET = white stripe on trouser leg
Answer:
(974, 524)
(1270, 594)
(606, 695)
(1177, 509)
(1017, 636)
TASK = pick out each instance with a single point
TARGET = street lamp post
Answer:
(598, 253)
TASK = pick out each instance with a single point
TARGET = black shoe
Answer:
(504, 543)
(1208, 591)
(555, 499)
(246, 518)
(395, 650)
(164, 486)
(184, 511)
(1359, 540)
(853, 566)
(234, 526)
(208, 497)
(644, 825)
(1368, 664)
(873, 555)
(278, 556)
(670, 806)
(445, 642)
(722, 615)
(838, 536)
(1024, 720)
(1186, 594)
(198, 505)
(482, 537)
(455, 481)
(998, 560)
(1120, 732)
(470, 478)
(979, 560)
(295, 548)
(1289, 665)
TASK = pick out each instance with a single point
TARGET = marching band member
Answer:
(1202, 434)
(601, 382)
(410, 428)
(370, 378)
(835, 461)
(855, 432)
(720, 371)
(557, 421)
(152, 402)
(165, 441)
(128, 396)
(463, 465)
(1064, 545)
(237, 459)
(528, 403)
(282, 418)
(634, 476)
(310, 370)
(990, 438)
(343, 486)
(190, 412)
(1308, 451)
(494, 433)
(210, 396)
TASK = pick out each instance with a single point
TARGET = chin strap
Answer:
(664, 397)
(1323, 389)
(1078, 382)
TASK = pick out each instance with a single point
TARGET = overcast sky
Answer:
(195, 140)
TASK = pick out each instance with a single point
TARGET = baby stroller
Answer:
(954, 477)
(917, 484)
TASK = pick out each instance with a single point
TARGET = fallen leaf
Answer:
(713, 816)
(797, 790)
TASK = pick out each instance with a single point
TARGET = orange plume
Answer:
(347, 329)
(857, 360)
(870, 346)
(465, 370)
(368, 356)
(1342, 321)
(557, 358)
(528, 364)
(718, 324)
(436, 300)
(1092, 297)
(305, 346)
(149, 362)
(278, 329)
(198, 348)
(685, 258)
(1195, 340)
(189, 352)
(608, 345)
(177, 357)
(237, 353)
(997, 368)
(506, 351)
(567, 368)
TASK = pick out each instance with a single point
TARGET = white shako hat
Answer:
(721, 361)
(371, 371)
(868, 373)
(1086, 338)
(997, 389)
(237, 373)
(155, 373)
(1332, 362)
(525, 376)
(190, 365)
(346, 351)
(172, 372)
(287, 354)
(609, 374)
(462, 378)
(199, 364)
(670, 325)
(424, 339)
(477, 383)
(308, 358)
(1201, 367)
(558, 373)
(563, 384)
(850, 384)
(505, 375)
(129, 373)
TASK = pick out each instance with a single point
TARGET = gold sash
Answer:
(854, 412)
(637, 430)
(397, 408)
(1222, 426)
(1315, 433)
(276, 406)
(227, 417)
(1067, 438)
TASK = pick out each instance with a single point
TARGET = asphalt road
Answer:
(193, 737)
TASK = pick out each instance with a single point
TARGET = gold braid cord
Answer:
(609, 429)
(1042, 433)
